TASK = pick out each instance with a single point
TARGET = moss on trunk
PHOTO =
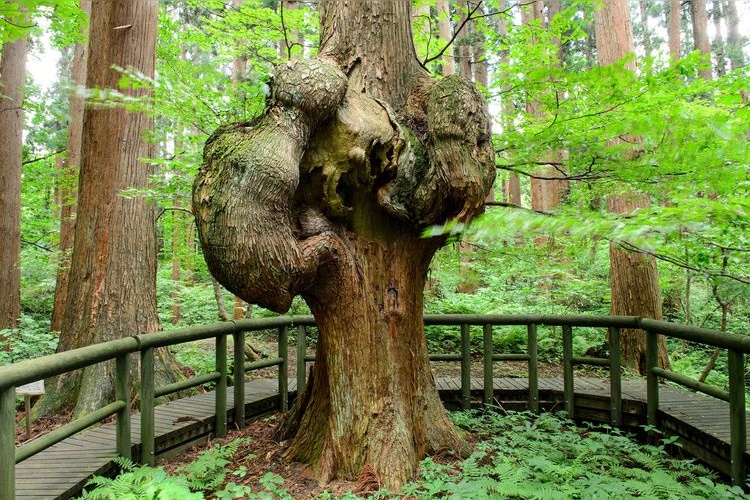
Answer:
(326, 196)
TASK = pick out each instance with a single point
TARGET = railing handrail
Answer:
(24, 372)
(30, 370)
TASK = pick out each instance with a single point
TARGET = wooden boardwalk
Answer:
(62, 470)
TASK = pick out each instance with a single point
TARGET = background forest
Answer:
(604, 170)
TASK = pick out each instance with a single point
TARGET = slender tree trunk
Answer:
(674, 22)
(446, 32)
(12, 81)
(113, 266)
(699, 17)
(462, 47)
(718, 45)
(634, 280)
(176, 237)
(69, 177)
(546, 194)
(734, 38)
(221, 308)
(512, 186)
(724, 304)
(643, 8)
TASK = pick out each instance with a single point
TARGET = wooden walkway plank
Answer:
(62, 470)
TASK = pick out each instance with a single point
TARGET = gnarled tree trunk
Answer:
(326, 196)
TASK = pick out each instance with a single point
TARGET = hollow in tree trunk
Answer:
(326, 196)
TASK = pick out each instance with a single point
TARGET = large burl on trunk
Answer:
(326, 196)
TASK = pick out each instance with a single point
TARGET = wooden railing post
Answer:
(737, 429)
(122, 393)
(652, 380)
(220, 395)
(488, 364)
(8, 443)
(568, 385)
(284, 367)
(615, 377)
(533, 369)
(301, 352)
(147, 406)
(465, 367)
(238, 374)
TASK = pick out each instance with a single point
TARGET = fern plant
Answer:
(139, 483)
(209, 470)
(523, 455)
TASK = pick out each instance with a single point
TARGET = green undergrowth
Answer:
(517, 455)
(523, 455)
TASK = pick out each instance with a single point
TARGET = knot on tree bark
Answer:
(243, 195)
(450, 174)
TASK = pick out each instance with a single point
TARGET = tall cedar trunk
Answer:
(113, 266)
(634, 281)
(511, 187)
(546, 193)
(69, 178)
(444, 29)
(643, 9)
(462, 44)
(718, 46)
(673, 27)
(326, 196)
(734, 38)
(12, 80)
(699, 16)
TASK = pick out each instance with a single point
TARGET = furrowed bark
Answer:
(326, 196)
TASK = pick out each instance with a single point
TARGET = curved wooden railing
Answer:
(14, 375)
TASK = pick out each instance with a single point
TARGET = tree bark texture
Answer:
(12, 80)
(446, 32)
(546, 193)
(634, 280)
(673, 29)
(113, 266)
(735, 39)
(512, 186)
(325, 196)
(699, 16)
(463, 42)
(69, 178)
(718, 47)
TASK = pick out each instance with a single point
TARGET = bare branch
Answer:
(42, 158)
(456, 32)
(680, 263)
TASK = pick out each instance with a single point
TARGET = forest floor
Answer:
(263, 452)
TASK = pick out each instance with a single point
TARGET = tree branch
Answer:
(510, 205)
(41, 158)
(173, 209)
(453, 38)
(21, 26)
(680, 263)
(35, 244)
